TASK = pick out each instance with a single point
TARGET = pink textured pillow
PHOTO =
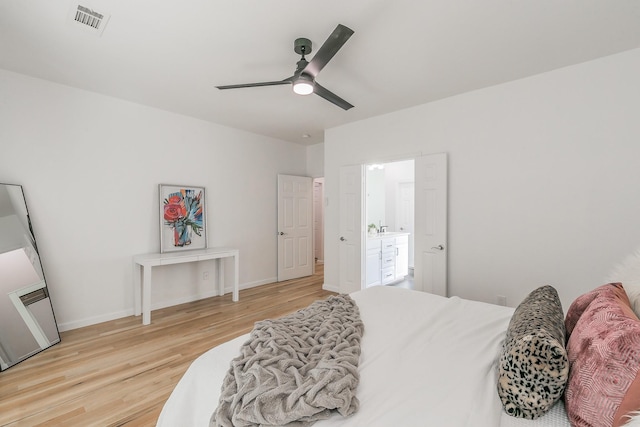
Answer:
(604, 358)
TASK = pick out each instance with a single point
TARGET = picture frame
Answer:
(182, 218)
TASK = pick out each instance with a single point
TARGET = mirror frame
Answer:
(28, 323)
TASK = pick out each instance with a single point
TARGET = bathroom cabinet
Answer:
(387, 258)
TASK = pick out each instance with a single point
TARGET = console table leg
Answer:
(220, 263)
(236, 278)
(146, 296)
(137, 292)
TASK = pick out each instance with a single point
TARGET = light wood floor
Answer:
(120, 373)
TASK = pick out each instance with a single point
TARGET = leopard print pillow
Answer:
(534, 367)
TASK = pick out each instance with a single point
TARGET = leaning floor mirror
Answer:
(27, 322)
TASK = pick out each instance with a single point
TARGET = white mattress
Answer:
(426, 360)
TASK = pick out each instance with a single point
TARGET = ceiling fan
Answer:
(304, 78)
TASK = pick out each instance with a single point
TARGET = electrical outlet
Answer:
(205, 275)
(501, 300)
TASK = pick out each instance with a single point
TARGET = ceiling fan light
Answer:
(303, 85)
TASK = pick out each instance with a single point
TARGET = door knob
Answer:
(282, 233)
(342, 239)
(439, 247)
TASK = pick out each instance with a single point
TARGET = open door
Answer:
(295, 227)
(351, 228)
(318, 220)
(430, 256)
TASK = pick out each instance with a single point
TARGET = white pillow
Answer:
(628, 273)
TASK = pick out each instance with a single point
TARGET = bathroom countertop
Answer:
(387, 234)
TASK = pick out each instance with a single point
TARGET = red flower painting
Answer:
(183, 213)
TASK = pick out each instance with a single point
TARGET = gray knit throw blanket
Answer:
(295, 370)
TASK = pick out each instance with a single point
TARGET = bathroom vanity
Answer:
(387, 259)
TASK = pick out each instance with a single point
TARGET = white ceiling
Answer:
(171, 54)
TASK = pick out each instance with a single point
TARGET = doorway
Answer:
(430, 227)
(389, 200)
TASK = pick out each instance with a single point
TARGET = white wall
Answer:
(544, 177)
(12, 233)
(90, 166)
(315, 160)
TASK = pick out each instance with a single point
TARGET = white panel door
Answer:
(295, 227)
(430, 256)
(351, 259)
(318, 221)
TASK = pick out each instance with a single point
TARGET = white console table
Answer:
(144, 263)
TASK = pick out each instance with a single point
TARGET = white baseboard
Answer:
(88, 321)
(183, 300)
(93, 320)
(252, 284)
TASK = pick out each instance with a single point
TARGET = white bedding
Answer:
(556, 417)
(426, 360)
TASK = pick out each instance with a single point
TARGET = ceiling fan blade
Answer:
(330, 47)
(279, 82)
(331, 97)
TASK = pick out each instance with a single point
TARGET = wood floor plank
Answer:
(120, 373)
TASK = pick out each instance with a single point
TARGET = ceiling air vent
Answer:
(88, 19)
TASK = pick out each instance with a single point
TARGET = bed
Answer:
(425, 360)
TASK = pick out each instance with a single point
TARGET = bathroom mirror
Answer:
(27, 322)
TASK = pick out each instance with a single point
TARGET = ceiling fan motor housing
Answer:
(302, 46)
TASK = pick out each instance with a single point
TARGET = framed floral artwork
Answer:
(182, 218)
